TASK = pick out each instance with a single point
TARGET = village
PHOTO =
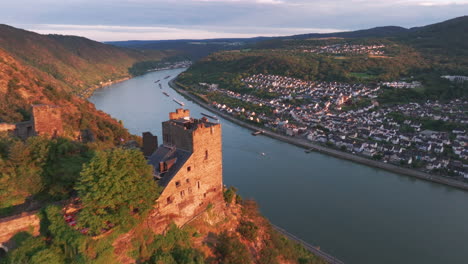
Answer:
(347, 49)
(424, 136)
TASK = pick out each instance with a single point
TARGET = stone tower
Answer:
(189, 166)
(47, 120)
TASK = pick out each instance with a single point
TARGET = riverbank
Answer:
(303, 143)
(85, 94)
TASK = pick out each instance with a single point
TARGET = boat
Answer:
(258, 132)
(167, 77)
(157, 81)
(179, 102)
(160, 86)
(210, 116)
(263, 154)
(166, 94)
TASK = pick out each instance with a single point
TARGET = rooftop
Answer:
(174, 158)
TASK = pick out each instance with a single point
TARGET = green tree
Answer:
(114, 186)
(248, 230)
(231, 251)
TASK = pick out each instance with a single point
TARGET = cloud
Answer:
(441, 3)
(114, 33)
(270, 2)
(222, 17)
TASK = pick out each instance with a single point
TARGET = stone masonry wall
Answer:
(47, 120)
(178, 136)
(179, 113)
(197, 184)
(7, 127)
(9, 226)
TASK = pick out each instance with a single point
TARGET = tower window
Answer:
(169, 200)
(206, 154)
(189, 168)
(177, 184)
(182, 194)
(187, 180)
(198, 183)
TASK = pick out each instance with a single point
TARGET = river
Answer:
(356, 213)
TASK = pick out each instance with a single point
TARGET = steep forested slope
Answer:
(76, 62)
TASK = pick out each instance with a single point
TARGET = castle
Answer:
(46, 121)
(188, 165)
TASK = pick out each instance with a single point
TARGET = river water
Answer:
(356, 213)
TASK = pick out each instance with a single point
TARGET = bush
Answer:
(229, 250)
(229, 194)
(248, 230)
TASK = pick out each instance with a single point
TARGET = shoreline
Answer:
(304, 143)
(85, 94)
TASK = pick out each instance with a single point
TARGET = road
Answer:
(328, 258)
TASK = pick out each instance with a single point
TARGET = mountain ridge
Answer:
(77, 62)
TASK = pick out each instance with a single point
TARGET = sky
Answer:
(112, 20)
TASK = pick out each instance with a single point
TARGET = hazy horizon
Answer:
(205, 19)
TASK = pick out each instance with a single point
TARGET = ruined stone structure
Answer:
(189, 166)
(7, 127)
(46, 121)
(150, 144)
(10, 226)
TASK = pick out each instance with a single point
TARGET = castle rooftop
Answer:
(167, 161)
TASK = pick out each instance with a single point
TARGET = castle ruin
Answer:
(46, 121)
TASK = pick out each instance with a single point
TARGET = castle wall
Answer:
(25, 129)
(4, 127)
(150, 144)
(178, 136)
(179, 113)
(47, 120)
(9, 226)
(197, 184)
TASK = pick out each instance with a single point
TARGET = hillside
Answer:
(41, 170)
(192, 49)
(443, 44)
(21, 86)
(422, 54)
(76, 62)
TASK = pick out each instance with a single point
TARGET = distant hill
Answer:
(190, 48)
(376, 32)
(445, 44)
(77, 62)
(421, 53)
(197, 49)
